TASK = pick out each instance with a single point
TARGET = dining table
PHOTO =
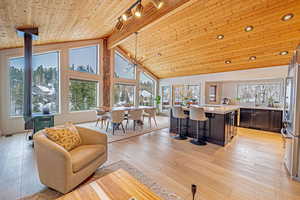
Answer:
(125, 108)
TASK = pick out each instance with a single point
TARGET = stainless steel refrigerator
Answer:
(291, 117)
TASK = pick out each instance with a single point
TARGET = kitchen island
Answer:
(221, 125)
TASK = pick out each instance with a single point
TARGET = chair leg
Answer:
(97, 122)
(198, 141)
(107, 124)
(126, 124)
(155, 121)
(179, 135)
(123, 128)
(134, 123)
(149, 119)
(113, 128)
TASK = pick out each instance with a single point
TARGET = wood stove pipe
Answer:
(28, 34)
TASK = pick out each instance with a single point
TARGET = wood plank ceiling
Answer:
(59, 20)
(185, 43)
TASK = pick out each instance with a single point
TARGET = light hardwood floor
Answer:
(250, 167)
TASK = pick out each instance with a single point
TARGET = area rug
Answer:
(49, 194)
(162, 122)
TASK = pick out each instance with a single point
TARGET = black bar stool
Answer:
(198, 114)
(178, 113)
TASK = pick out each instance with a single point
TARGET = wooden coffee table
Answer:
(118, 185)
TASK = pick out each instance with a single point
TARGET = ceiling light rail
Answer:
(136, 10)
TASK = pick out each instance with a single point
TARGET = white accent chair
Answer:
(116, 119)
(151, 114)
(63, 170)
(134, 115)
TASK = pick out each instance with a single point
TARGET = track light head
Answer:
(139, 9)
(127, 15)
(157, 3)
(119, 24)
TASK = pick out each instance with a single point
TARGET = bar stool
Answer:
(178, 113)
(198, 114)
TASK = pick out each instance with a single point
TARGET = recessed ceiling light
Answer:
(287, 17)
(252, 58)
(249, 28)
(227, 61)
(282, 53)
(220, 37)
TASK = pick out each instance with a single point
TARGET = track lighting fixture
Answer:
(119, 24)
(139, 9)
(127, 15)
(157, 3)
(135, 9)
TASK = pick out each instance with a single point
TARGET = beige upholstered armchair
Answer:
(62, 170)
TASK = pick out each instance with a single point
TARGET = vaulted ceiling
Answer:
(59, 20)
(182, 43)
(186, 43)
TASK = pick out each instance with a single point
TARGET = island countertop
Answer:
(216, 109)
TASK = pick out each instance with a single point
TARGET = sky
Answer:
(78, 56)
(51, 59)
(84, 56)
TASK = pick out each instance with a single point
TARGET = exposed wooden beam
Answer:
(106, 74)
(150, 15)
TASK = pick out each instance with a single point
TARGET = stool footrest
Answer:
(198, 142)
(180, 137)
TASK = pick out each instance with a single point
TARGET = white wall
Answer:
(278, 72)
(9, 124)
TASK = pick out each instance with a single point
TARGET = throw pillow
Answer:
(67, 137)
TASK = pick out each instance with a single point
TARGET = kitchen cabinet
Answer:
(268, 120)
(219, 129)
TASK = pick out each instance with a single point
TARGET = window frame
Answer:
(114, 68)
(154, 88)
(162, 96)
(182, 87)
(279, 83)
(98, 63)
(86, 80)
(59, 80)
(127, 84)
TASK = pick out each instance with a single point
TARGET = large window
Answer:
(260, 94)
(166, 97)
(124, 95)
(84, 59)
(123, 67)
(45, 83)
(186, 94)
(147, 90)
(83, 95)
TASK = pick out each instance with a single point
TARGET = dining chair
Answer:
(116, 118)
(102, 116)
(135, 115)
(151, 114)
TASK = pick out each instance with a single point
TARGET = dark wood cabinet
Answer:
(219, 128)
(268, 120)
(245, 117)
(275, 120)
